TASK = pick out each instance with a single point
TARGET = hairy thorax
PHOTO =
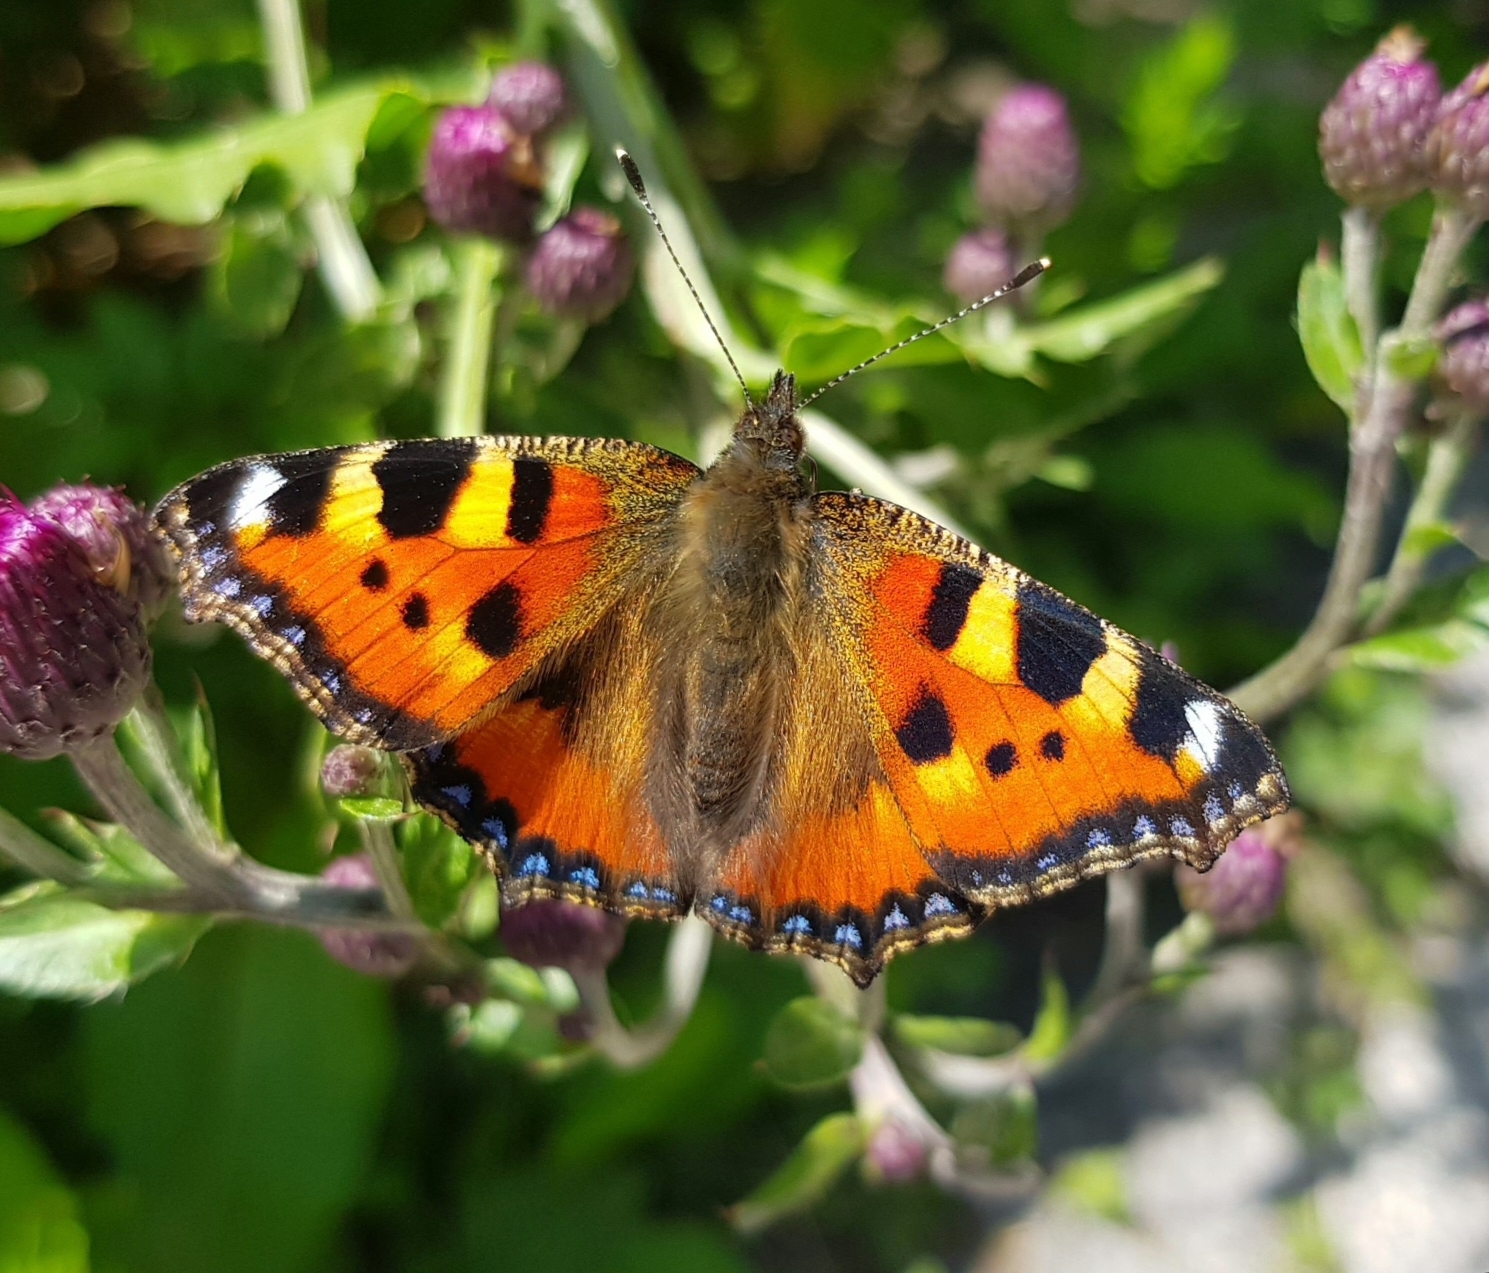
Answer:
(734, 602)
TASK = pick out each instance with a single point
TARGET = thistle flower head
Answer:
(349, 770)
(530, 96)
(482, 176)
(978, 265)
(1458, 147)
(74, 655)
(1028, 159)
(1372, 137)
(558, 934)
(119, 539)
(1464, 366)
(1242, 890)
(374, 954)
(581, 268)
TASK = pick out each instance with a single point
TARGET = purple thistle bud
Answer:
(349, 770)
(582, 268)
(979, 264)
(1028, 159)
(481, 176)
(895, 1154)
(556, 934)
(1242, 890)
(1464, 365)
(374, 954)
(1458, 147)
(530, 95)
(74, 655)
(1372, 137)
(118, 537)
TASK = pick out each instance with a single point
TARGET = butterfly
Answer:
(821, 721)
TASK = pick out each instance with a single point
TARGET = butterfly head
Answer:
(770, 429)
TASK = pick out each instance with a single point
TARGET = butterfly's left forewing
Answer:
(404, 587)
(1029, 743)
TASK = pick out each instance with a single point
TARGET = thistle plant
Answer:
(527, 255)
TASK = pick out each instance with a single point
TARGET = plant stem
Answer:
(345, 268)
(1123, 955)
(1285, 682)
(102, 767)
(462, 405)
(1360, 259)
(377, 840)
(26, 849)
(157, 740)
(687, 961)
(1447, 458)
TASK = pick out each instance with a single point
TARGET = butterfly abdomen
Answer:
(730, 606)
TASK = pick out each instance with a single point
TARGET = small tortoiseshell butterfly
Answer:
(820, 721)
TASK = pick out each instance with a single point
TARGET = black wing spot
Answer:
(416, 612)
(1158, 723)
(1002, 758)
(532, 493)
(1057, 643)
(926, 733)
(375, 577)
(1052, 745)
(295, 508)
(209, 497)
(495, 621)
(946, 615)
(419, 481)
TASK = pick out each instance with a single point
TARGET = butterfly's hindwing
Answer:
(404, 587)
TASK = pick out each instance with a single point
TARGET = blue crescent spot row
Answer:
(442, 783)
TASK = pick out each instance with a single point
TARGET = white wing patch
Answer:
(1206, 726)
(251, 500)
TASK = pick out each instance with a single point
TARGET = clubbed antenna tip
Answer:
(1025, 275)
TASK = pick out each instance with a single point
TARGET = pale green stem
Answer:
(687, 961)
(467, 369)
(1285, 682)
(377, 840)
(1360, 259)
(1447, 458)
(344, 265)
(33, 853)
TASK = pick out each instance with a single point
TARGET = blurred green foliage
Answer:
(263, 1108)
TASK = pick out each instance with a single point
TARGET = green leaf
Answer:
(1172, 119)
(966, 1036)
(53, 946)
(813, 1168)
(1131, 322)
(1426, 539)
(1053, 1025)
(257, 276)
(189, 182)
(811, 1044)
(1331, 341)
(1093, 1181)
(39, 1227)
(1421, 649)
(1004, 1127)
(439, 867)
(1411, 359)
(239, 1102)
(198, 736)
(373, 808)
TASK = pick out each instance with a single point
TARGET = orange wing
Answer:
(550, 785)
(403, 587)
(1029, 743)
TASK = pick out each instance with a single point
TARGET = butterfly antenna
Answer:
(1017, 281)
(633, 175)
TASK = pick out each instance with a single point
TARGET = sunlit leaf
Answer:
(1053, 1025)
(966, 1036)
(53, 946)
(811, 1044)
(1331, 341)
(1003, 1128)
(188, 182)
(813, 1168)
(1173, 118)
